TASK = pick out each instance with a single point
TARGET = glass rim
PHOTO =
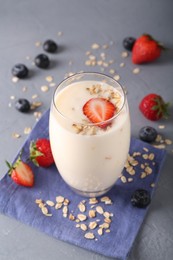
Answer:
(89, 124)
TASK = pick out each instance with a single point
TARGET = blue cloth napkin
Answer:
(19, 202)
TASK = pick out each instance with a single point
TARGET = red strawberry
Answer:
(146, 49)
(98, 110)
(21, 173)
(153, 107)
(40, 153)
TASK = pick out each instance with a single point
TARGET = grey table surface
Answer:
(75, 25)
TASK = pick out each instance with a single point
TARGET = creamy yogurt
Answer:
(89, 158)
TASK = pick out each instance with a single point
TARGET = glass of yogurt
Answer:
(89, 129)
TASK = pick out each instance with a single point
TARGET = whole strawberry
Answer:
(146, 49)
(153, 107)
(40, 152)
(21, 173)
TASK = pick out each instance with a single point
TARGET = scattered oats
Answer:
(87, 53)
(116, 77)
(100, 231)
(34, 96)
(102, 69)
(148, 170)
(107, 220)
(49, 78)
(89, 235)
(50, 203)
(161, 126)
(83, 227)
(105, 64)
(143, 175)
(52, 84)
(145, 156)
(66, 202)
(44, 88)
(36, 104)
(151, 156)
(58, 205)
(130, 170)
(88, 62)
(160, 146)
(104, 225)
(142, 166)
(105, 198)
(65, 210)
(112, 71)
(124, 54)
(105, 46)
(99, 210)
(92, 57)
(81, 207)
(130, 179)
(145, 149)
(72, 217)
(27, 130)
(81, 217)
(77, 225)
(158, 138)
(95, 46)
(37, 115)
(93, 225)
(153, 185)
(103, 55)
(123, 179)
(136, 70)
(16, 135)
(122, 64)
(15, 79)
(168, 141)
(41, 205)
(99, 62)
(106, 214)
(107, 231)
(38, 44)
(38, 201)
(77, 220)
(92, 213)
(93, 201)
(59, 199)
(44, 210)
(60, 33)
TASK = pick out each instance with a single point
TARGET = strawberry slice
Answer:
(98, 110)
(21, 173)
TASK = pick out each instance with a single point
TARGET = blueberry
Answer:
(23, 105)
(50, 46)
(42, 61)
(128, 43)
(140, 198)
(148, 134)
(20, 71)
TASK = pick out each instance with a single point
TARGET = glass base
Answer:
(91, 194)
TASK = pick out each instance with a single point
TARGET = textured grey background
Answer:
(22, 23)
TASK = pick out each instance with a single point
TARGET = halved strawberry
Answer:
(98, 110)
(21, 173)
